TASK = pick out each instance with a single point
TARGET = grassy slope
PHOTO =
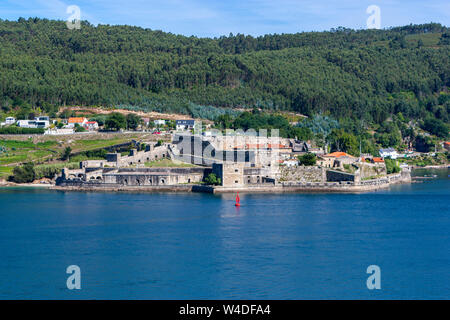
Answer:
(48, 152)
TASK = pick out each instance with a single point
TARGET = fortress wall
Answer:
(302, 174)
(141, 157)
(338, 176)
(368, 170)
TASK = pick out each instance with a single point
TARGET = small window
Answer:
(236, 170)
(236, 181)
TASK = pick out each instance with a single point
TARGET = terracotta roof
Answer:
(337, 154)
(76, 120)
(447, 143)
(256, 146)
(377, 159)
(277, 146)
(262, 146)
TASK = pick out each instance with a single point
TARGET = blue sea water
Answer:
(200, 246)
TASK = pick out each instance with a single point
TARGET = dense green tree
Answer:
(308, 159)
(24, 173)
(436, 127)
(343, 141)
(367, 75)
(66, 153)
(133, 121)
(212, 179)
(116, 121)
(391, 166)
(423, 144)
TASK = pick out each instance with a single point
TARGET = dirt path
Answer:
(152, 115)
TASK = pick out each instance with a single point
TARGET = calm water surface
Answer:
(199, 246)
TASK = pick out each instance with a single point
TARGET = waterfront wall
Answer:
(302, 174)
(338, 176)
(132, 177)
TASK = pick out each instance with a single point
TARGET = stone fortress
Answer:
(242, 163)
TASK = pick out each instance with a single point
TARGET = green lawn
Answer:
(167, 163)
(87, 145)
(19, 152)
(5, 172)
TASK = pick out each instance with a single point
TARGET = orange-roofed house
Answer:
(81, 121)
(336, 159)
(377, 160)
(447, 145)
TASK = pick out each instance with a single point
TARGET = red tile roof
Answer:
(277, 146)
(337, 154)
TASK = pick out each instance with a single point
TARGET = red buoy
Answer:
(238, 200)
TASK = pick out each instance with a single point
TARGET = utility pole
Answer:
(359, 146)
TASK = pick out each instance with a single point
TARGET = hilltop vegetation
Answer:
(365, 74)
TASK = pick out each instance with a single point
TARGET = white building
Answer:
(159, 123)
(91, 125)
(61, 131)
(10, 120)
(388, 153)
(33, 123)
(290, 163)
(183, 125)
(81, 121)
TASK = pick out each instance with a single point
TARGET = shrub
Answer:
(308, 159)
(212, 179)
(79, 128)
(24, 174)
(18, 130)
(391, 166)
(66, 153)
